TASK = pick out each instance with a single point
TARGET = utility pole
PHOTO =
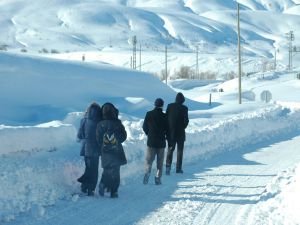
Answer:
(140, 57)
(197, 61)
(166, 64)
(239, 54)
(275, 59)
(134, 41)
(291, 38)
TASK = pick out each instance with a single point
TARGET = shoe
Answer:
(84, 188)
(179, 171)
(114, 195)
(101, 189)
(157, 180)
(168, 170)
(80, 179)
(90, 193)
(146, 178)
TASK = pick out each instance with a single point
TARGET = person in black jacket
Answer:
(155, 127)
(178, 120)
(110, 135)
(90, 148)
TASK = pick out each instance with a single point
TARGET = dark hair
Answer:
(159, 102)
(109, 111)
(179, 98)
(94, 111)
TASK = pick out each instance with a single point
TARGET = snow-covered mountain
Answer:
(77, 25)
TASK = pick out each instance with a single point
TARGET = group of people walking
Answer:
(102, 134)
(161, 127)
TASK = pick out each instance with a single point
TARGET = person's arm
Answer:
(99, 134)
(80, 133)
(122, 133)
(185, 117)
(145, 125)
(166, 127)
(167, 111)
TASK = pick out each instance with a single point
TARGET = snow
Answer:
(241, 164)
(41, 162)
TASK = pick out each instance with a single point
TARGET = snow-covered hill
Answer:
(73, 25)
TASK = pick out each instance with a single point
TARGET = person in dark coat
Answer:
(90, 148)
(80, 133)
(155, 127)
(178, 120)
(110, 135)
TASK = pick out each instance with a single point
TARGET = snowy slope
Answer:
(56, 88)
(103, 30)
(93, 25)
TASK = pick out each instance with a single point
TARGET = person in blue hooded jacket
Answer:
(90, 148)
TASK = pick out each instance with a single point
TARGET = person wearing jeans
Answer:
(155, 127)
(150, 156)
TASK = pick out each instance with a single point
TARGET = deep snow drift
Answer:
(45, 89)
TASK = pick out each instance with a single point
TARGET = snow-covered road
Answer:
(222, 190)
(216, 191)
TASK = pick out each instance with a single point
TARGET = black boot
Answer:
(84, 188)
(101, 189)
(168, 170)
(146, 178)
(114, 195)
(179, 171)
(90, 193)
(157, 180)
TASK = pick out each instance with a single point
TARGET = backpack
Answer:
(110, 142)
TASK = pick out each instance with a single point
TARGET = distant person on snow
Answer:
(90, 148)
(110, 135)
(155, 127)
(177, 115)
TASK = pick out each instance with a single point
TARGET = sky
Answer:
(241, 164)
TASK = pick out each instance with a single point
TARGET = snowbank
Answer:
(245, 129)
(279, 203)
(38, 90)
(42, 137)
(47, 176)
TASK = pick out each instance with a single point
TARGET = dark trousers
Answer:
(111, 178)
(171, 148)
(89, 178)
